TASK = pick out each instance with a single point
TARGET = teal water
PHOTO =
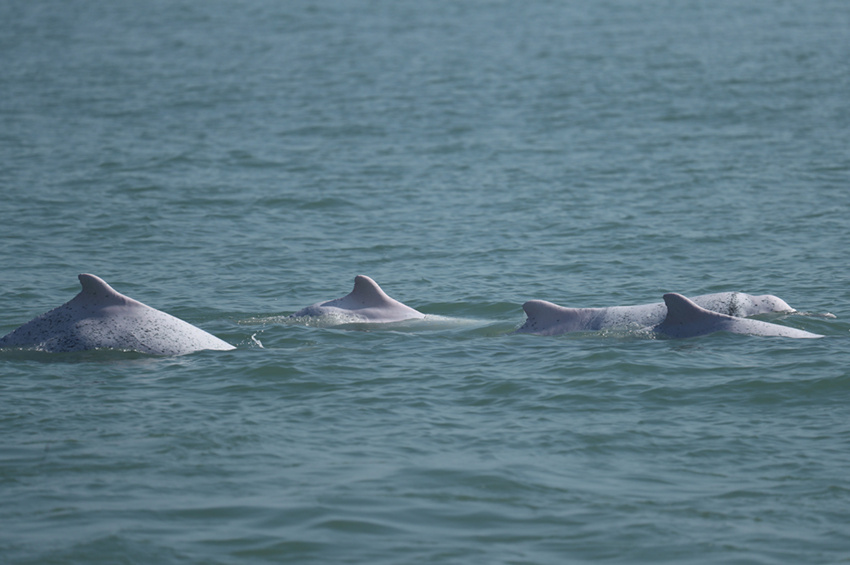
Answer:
(233, 162)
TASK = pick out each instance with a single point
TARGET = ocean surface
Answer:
(230, 162)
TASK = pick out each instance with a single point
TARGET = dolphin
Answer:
(546, 318)
(366, 303)
(99, 317)
(685, 318)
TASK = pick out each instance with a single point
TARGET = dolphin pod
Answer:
(685, 318)
(546, 318)
(99, 317)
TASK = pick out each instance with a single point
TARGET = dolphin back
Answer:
(687, 319)
(367, 302)
(99, 317)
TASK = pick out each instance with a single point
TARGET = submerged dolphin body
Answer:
(366, 303)
(546, 318)
(99, 317)
(687, 319)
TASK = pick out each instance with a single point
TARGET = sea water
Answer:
(232, 162)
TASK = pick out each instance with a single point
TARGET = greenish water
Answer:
(233, 162)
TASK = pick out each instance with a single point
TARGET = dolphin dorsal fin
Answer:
(681, 310)
(367, 292)
(96, 289)
(547, 318)
(541, 315)
(540, 310)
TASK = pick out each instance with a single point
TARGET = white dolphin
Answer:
(546, 318)
(685, 318)
(366, 303)
(99, 317)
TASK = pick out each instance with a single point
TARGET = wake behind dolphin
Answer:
(99, 317)
(368, 307)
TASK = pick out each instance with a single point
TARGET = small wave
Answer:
(89, 355)
(431, 322)
(825, 315)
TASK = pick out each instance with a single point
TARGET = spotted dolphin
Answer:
(546, 318)
(99, 317)
(685, 318)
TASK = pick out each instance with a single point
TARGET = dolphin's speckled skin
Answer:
(687, 319)
(546, 318)
(99, 317)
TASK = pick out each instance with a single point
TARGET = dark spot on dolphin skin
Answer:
(734, 307)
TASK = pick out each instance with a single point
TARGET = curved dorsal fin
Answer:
(547, 318)
(96, 289)
(686, 319)
(367, 292)
(537, 309)
(681, 309)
